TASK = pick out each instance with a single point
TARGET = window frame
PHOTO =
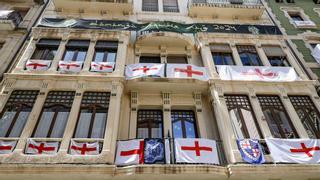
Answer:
(148, 7)
(171, 9)
(150, 123)
(76, 50)
(248, 53)
(183, 126)
(222, 54)
(151, 57)
(45, 49)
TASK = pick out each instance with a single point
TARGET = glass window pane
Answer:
(143, 133)
(59, 125)
(83, 125)
(81, 56)
(69, 55)
(272, 125)
(99, 125)
(177, 129)
(38, 54)
(19, 125)
(217, 60)
(51, 54)
(236, 123)
(98, 56)
(44, 124)
(5, 122)
(190, 129)
(228, 60)
(111, 57)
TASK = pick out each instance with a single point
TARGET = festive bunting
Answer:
(34, 147)
(251, 151)
(102, 66)
(85, 148)
(40, 65)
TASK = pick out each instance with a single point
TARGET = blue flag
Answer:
(154, 151)
(251, 151)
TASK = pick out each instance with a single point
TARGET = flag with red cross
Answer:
(102, 66)
(7, 147)
(84, 148)
(187, 71)
(38, 65)
(196, 151)
(130, 152)
(42, 147)
(303, 151)
(70, 66)
(144, 70)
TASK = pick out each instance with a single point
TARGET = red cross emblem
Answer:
(257, 72)
(197, 148)
(188, 71)
(135, 151)
(36, 65)
(246, 145)
(41, 148)
(306, 150)
(5, 148)
(145, 69)
(68, 66)
(102, 66)
(83, 149)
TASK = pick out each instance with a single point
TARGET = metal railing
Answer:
(235, 2)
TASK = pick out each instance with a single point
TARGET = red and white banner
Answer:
(102, 66)
(38, 65)
(70, 67)
(316, 53)
(77, 148)
(34, 147)
(257, 73)
(187, 71)
(7, 147)
(196, 151)
(143, 70)
(304, 151)
(130, 152)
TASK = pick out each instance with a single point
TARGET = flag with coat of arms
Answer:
(251, 151)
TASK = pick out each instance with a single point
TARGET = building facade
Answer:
(55, 94)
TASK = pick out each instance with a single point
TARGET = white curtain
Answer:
(60, 124)
(83, 125)
(142, 132)
(251, 126)
(99, 125)
(44, 124)
(19, 125)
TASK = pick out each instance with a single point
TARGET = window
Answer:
(277, 117)
(170, 6)
(184, 124)
(177, 60)
(276, 56)
(295, 16)
(249, 56)
(46, 49)
(16, 112)
(93, 115)
(313, 45)
(149, 124)
(222, 54)
(106, 51)
(76, 50)
(150, 5)
(54, 115)
(308, 114)
(244, 122)
(150, 59)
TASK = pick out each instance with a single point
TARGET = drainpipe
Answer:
(26, 36)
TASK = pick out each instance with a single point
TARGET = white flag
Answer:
(34, 147)
(70, 67)
(167, 151)
(7, 147)
(78, 148)
(316, 53)
(196, 151)
(130, 152)
(187, 71)
(144, 70)
(257, 73)
(40, 65)
(304, 151)
(102, 66)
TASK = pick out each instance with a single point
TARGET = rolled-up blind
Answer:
(220, 48)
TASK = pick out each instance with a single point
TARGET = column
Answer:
(235, 54)
(121, 56)
(294, 117)
(111, 134)
(167, 127)
(224, 124)
(256, 108)
(90, 55)
(133, 115)
(294, 64)
(200, 120)
(262, 55)
(32, 120)
(72, 121)
(26, 55)
(59, 55)
(208, 60)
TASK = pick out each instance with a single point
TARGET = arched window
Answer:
(183, 124)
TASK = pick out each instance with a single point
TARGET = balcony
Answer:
(95, 6)
(9, 19)
(226, 9)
